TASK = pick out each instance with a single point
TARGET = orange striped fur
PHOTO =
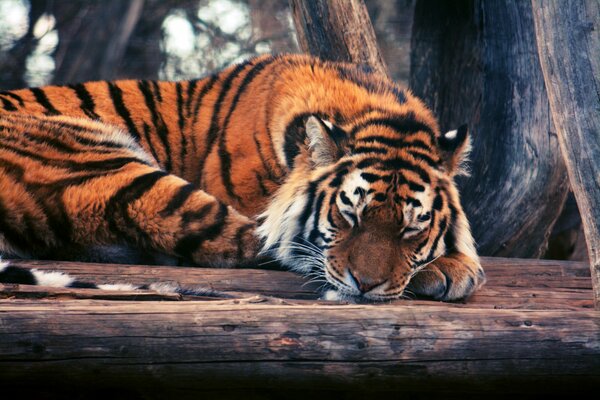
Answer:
(327, 167)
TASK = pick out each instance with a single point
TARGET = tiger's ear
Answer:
(325, 141)
(455, 146)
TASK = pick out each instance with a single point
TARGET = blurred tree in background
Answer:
(58, 41)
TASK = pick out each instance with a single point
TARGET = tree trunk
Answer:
(475, 62)
(568, 43)
(337, 30)
(92, 38)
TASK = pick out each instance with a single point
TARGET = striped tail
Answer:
(25, 276)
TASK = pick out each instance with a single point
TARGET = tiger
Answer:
(328, 168)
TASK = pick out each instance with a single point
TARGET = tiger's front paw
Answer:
(448, 278)
(232, 243)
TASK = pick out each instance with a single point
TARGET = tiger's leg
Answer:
(151, 209)
(451, 277)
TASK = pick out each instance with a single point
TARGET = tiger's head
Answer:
(370, 198)
(369, 207)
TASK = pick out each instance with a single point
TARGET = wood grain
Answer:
(512, 283)
(201, 345)
(475, 62)
(568, 41)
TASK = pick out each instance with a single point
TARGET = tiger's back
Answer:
(273, 135)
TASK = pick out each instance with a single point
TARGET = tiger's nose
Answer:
(364, 284)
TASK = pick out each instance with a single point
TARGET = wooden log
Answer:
(568, 42)
(337, 30)
(475, 62)
(530, 284)
(158, 347)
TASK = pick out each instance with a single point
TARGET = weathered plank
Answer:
(149, 346)
(475, 62)
(568, 43)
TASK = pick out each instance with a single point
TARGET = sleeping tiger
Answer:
(330, 169)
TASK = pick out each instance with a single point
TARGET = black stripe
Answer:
(441, 232)
(180, 120)
(413, 201)
(191, 216)
(61, 145)
(116, 95)
(330, 211)
(158, 122)
(352, 217)
(395, 164)
(438, 202)
(181, 124)
(315, 233)
(41, 98)
(271, 173)
(188, 245)
(415, 187)
(17, 171)
(19, 238)
(399, 164)
(203, 92)
(384, 140)
(424, 157)
(106, 164)
(417, 144)
(87, 102)
(370, 177)
(450, 238)
(7, 105)
(402, 124)
(82, 285)
(190, 91)
(15, 97)
(261, 184)
(116, 207)
(178, 200)
(361, 149)
(213, 131)
(12, 274)
(157, 93)
(294, 137)
(148, 139)
(238, 239)
(380, 197)
(224, 155)
(339, 178)
(345, 199)
(308, 207)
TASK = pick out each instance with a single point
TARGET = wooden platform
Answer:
(532, 328)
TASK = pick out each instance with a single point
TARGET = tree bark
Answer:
(337, 30)
(475, 62)
(568, 43)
